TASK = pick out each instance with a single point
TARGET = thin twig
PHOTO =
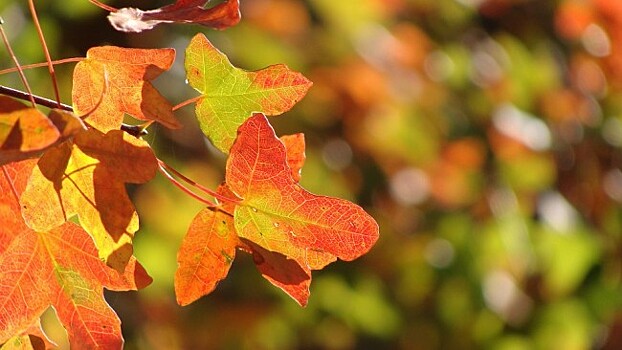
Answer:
(44, 64)
(186, 102)
(103, 6)
(19, 68)
(184, 188)
(48, 58)
(197, 185)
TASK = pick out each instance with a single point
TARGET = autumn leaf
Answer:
(230, 95)
(277, 214)
(112, 81)
(221, 16)
(88, 178)
(58, 268)
(289, 231)
(205, 255)
(25, 131)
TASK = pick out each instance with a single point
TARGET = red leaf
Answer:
(279, 215)
(135, 20)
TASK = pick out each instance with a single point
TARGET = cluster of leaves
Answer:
(83, 161)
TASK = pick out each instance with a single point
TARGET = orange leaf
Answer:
(205, 255)
(288, 230)
(135, 20)
(277, 214)
(25, 132)
(59, 268)
(88, 178)
(112, 81)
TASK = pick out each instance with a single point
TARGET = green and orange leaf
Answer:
(58, 268)
(279, 215)
(289, 231)
(87, 178)
(230, 95)
(112, 81)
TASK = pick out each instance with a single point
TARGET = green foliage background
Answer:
(483, 135)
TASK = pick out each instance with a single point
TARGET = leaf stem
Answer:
(48, 58)
(186, 102)
(43, 64)
(184, 188)
(197, 185)
(19, 68)
(10, 181)
(103, 6)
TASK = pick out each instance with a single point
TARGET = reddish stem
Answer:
(44, 64)
(184, 188)
(186, 102)
(48, 58)
(10, 181)
(103, 6)
(197, 185)
(19, 68)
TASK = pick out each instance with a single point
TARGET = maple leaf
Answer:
(112, 81)
(58, 268)
(270, 206)
(88, 178)
(25, 131)
(276, 213)
(230, 95)
(221, 16)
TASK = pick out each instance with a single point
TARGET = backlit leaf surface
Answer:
(58, 268)
(205, 255)
(88, 178)
(289, 231)
(221, 16)
(231, 95)
(113, 81)
(279, 215)
(25, 132)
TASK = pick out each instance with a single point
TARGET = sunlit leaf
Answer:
(113, 81)
(230, 95)
(59, 268)
(25, 132)
(88, 178)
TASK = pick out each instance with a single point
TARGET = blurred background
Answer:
(483, 135)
